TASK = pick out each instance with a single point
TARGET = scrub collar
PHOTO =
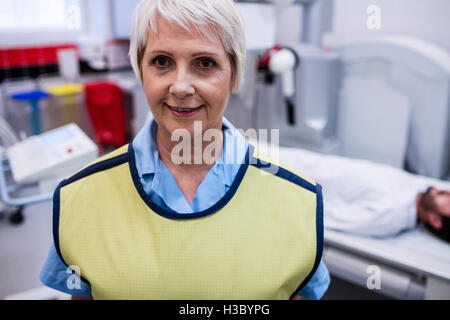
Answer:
(147, 154)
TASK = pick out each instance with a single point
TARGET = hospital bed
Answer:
(413, 264)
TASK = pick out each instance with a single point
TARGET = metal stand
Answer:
(20, 202)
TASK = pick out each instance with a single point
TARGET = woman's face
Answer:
(186, 78)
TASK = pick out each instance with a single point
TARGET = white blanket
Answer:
(362, 197)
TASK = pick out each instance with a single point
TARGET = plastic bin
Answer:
(105, 105)
(24, 112)
(17, 114)
(67, 105)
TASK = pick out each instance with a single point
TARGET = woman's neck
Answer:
(195, 163)
(190, 154)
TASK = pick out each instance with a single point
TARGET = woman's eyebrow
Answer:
(205, 53)
(194, 55)
(149, 52)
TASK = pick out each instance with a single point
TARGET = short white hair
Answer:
(222, 16)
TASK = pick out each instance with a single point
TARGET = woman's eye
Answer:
(161, 61)
(206, 63)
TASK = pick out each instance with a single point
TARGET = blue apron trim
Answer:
(171, 214)
(56, 210)
(319, 235)
(283, 173)
(56, 207)
(97, 167)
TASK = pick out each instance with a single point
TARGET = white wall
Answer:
(425, 19)
(37, 32)
(98, 18)
(288, 30)
(96, 22)
(122, 17)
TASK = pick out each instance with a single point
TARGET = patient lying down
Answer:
(365, 198)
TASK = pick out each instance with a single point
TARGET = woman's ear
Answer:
(435, 220)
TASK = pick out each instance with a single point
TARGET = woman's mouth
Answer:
(184, 112)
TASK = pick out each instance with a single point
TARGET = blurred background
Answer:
(365, 79)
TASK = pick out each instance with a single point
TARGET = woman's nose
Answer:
(182, 84)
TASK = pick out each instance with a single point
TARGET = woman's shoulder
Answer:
(107, 161)
(111, 155)
(272, 164)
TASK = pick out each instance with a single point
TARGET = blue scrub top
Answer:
(160, 185)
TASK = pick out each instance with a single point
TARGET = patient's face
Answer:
(442, 200)
(438, 202)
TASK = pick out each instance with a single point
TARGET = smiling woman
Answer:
(139, 225)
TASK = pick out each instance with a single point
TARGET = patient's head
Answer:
(434, 211)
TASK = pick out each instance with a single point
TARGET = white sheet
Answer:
(362, 197)
(414, 249)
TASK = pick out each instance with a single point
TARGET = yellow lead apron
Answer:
(262, 240)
